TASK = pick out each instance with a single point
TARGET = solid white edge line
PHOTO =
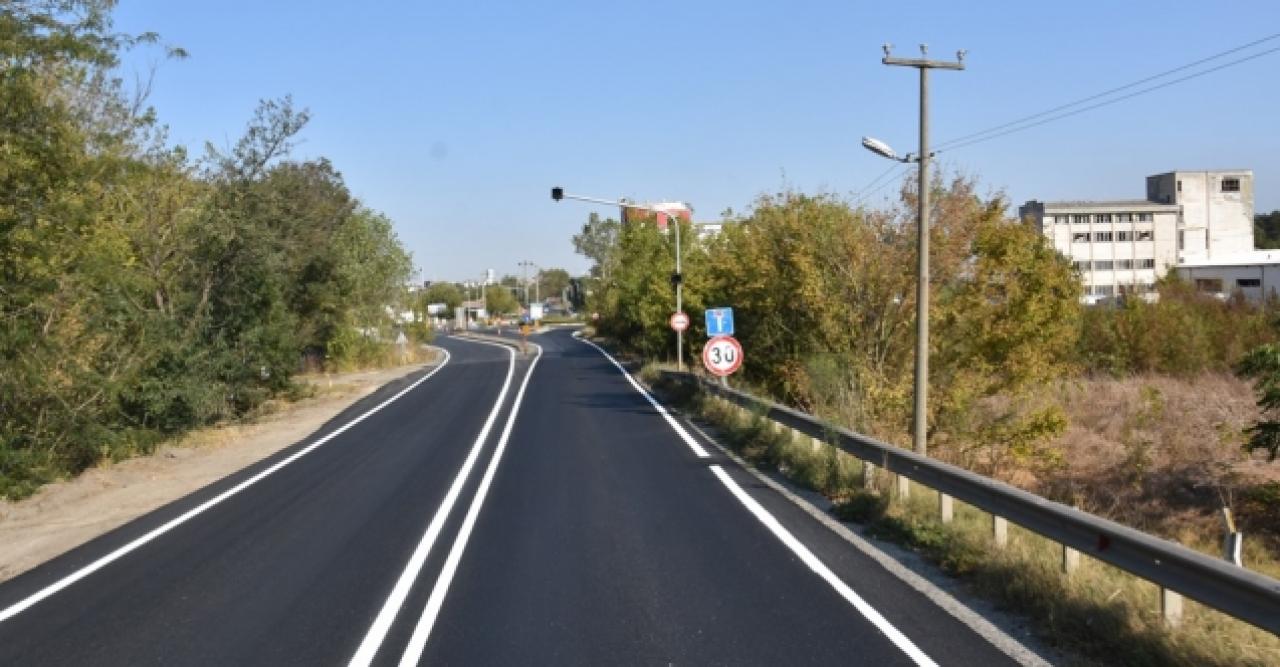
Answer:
(387, 614)
(961, 612)
(418, 642)
(799, 549)
(96, 565)
(684, 435)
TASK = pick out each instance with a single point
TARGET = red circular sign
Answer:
(722, 355)
(679, 321)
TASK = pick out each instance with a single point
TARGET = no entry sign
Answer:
(679, 321)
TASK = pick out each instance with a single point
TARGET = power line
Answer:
(896, 179)
(858, 194)
(957, 143)
(965, 140)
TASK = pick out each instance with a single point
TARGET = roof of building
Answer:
(1250, 258)
(1205, 171)
(1112, 205)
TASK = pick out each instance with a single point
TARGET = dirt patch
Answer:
(69, 513)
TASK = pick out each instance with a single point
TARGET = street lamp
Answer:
(558, 194)
(919, 433)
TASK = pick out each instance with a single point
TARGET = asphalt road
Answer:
(504, 510)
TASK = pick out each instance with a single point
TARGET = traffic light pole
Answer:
(679, 296)
(558, 194)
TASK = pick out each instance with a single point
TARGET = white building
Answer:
(1216, 217)
(1122, 247)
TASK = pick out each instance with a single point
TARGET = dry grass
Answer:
(1164, 455)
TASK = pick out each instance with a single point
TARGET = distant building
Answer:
(1122, 247)
(665, 211)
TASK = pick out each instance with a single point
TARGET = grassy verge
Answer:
(1099, 613)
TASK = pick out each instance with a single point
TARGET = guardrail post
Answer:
(1233, 541)
(904, 487)
(999, 531)
(1171, 607)
(1232, 548)
(868, 476)
(944, 507)
(1070, 559)
(817, 444)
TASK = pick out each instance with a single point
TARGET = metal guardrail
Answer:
(1238, 592)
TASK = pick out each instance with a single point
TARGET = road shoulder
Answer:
(68, 513)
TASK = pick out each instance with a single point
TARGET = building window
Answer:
(1124, 264)
(1179, 185)
(1248, 282)
(1209, 284)
(1124, 217)
(1144, 235)
(1081, 266)
(1103, 265)
(1102, 236)
(1181, 239)
(1124, 236)
(1080, 218)
(1104, 218)
(1149, 263)
(1080, 237)
(1104, 290)
(1145, 217)
(1061, 219)
(1230, 185)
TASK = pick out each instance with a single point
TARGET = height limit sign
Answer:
(722, 355)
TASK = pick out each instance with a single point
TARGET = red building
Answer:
(663, 214)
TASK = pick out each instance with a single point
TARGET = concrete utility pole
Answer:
(919, 435)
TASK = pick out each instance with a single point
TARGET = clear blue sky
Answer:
(455, 118)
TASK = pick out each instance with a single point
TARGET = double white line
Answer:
(391, 608)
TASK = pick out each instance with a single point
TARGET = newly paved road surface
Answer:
(506, 510)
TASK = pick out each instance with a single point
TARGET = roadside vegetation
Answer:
(1133, 411)
(143, 291)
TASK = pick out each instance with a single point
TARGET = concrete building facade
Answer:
(1216, 217)
(1124, 247)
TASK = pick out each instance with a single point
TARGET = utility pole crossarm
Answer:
(923, 63)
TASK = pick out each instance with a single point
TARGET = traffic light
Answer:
(557, 193)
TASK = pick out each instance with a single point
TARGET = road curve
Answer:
(510, 509)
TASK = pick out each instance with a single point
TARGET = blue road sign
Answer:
(719, 322)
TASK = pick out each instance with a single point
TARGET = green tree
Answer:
(499, 301)
(552, 282)
(1004, 332)
(598, 241)
(1262, 364)
(440, 292)
(1266, 230)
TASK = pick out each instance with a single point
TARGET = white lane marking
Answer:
(382, 623)
(684, 435)
(799, 549)
(189, 514)
(418, 642)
